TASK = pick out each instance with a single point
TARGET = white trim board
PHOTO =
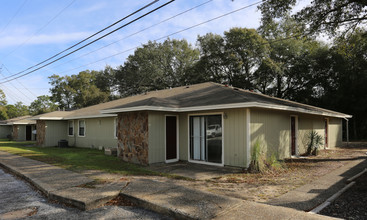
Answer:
(224, 106)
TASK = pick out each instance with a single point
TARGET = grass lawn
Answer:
(75, 158)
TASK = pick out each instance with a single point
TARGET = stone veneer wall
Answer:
(15, 132)
(41, 132)
(133, 137)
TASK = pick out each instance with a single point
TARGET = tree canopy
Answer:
(81, 90)
(157, 66)
(41, 105)
(321, 15)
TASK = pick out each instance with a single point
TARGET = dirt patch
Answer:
(352, 203)
(19, 213)
(120, 201)
(271, 184)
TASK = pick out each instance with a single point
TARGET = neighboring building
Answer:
(19, 129)
(5, 130)
(204, 123)
(85, 127)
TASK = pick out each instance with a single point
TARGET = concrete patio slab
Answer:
(194, 171)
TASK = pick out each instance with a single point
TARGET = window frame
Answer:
(115, 124)
(71, 135)
(83, 127)
(188, 138)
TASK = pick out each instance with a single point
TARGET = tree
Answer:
(320, 15)
(157, 66)
(233, 58)
(41, 105)
(17, 110)
(3, 102)
(289, 72)
(81, 90)
(347, 93)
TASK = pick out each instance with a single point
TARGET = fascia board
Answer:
(226, 106)
(91, 116)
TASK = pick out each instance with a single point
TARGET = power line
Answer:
(86, 44)
(3, 66)
(10, 94)
(20, 82)
(24, 95)
(171, 34)
(39, 30)
(142, 30)
(174, 33)
(16, 13)
(98, 32)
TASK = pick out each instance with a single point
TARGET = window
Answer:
(81, 128)
(206, 138)
(71, 128)
(115, 130)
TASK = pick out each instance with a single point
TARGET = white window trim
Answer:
(296, 135)
(188, 142)
(177, 140)
(114, 127)
(85, 126)
(71, 135)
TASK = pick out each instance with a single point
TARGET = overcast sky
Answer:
(34, 30)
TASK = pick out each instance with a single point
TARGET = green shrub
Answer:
(314, 143)
(257, 162)
(273, 163)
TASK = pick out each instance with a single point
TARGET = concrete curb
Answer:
(157, 208)
(331, 199)
(356, 176)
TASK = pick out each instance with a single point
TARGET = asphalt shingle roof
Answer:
(199, 95)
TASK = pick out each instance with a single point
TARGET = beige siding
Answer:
(272, 129)
(234, 134)
(156, 130)
(98, 132)
(306, 124)
(183, 137)
(335, 132)
(54, 131)
(5, 130)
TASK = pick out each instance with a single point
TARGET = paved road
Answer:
(18, 199)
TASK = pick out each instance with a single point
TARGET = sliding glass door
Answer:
(206, 138)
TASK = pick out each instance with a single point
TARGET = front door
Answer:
(293, 135)
(28, 132)
(326, 133)
(171, 138)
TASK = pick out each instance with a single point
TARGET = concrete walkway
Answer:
(60, 184)
(183, 203)
(309, 196)
(162, 196)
